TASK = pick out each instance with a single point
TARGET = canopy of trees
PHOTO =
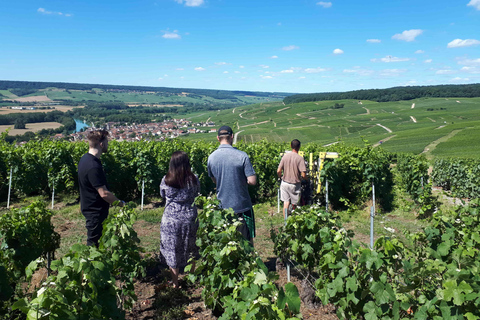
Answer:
(217, 94)
(392, 94)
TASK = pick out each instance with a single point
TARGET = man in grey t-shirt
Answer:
(232, 172)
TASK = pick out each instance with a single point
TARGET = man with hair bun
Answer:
(95, 198)
(293, 167)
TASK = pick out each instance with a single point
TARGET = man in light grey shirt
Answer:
(232, 172)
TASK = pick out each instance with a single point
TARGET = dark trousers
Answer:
(94, 225)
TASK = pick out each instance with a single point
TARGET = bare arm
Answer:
(279, 172)
(108, 196)
(304, 175)
(214, 180)
(252, 180)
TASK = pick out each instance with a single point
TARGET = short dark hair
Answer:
(94, 137)
(180, 173)
(295, 144)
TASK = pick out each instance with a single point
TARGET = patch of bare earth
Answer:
(34, 98)
(37, 126)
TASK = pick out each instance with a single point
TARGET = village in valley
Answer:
(171, 128)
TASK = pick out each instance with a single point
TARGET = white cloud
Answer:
(475, 4)
(390, 59)
(324, 4)
(199, 69)
(44, 11)
(470, 69)
(314, 70)
(180, 69)
(419, 51)
(458, 43)
(301, 77)
(408, 35)
(266, 77)
(274, 57)
(445, 72)
(428, 61)
(241, 67)
(236, 71)
(221, 63)
(171, 35)
(289, 48)
(359, 71)
(287, 71)
(374, 40)
(264, 66)
(410, 83)
(469, 62)
(225, 71)
(392, 72)
(191, 3)
(458, 79)
(338, 51)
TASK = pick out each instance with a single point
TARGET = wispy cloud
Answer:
(446, 71)
(44, 11)
(287, 71)
(458, 43)
(390, 59)
(458, 79)
(289, 48)
(324, 4)
(171, 35)
(337, 51)
(191, 3)
(470, 69)
(180, 69)
(265, 77)
(469, 62)
(419, 51)
(264, 66)
(475, 4)
(374, 40)
(315, 70)
(408, 35)
(428, 61)
(392, 72)
(222, 63)
(359, 71)
(274, 57)
(199, 69)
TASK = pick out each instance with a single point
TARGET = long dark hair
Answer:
(180, 172)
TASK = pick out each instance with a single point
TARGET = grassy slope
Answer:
(313, 122)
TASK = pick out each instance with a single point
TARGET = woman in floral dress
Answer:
(179, 222)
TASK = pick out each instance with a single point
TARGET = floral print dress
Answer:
(178, 229)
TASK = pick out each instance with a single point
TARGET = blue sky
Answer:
(283, 46)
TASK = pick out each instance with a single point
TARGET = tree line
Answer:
(392, 94)
(217, 94)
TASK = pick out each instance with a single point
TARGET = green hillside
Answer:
(436, 120)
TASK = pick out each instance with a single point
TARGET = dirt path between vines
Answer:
(383, 140)
(429, 148)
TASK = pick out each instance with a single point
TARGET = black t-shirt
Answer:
(90, 177)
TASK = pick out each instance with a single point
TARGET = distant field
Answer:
(58, 108)
(319, 122)
(33, 99)
(34, 127)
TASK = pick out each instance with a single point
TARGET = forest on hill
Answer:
(28, 87)
(392, 94)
